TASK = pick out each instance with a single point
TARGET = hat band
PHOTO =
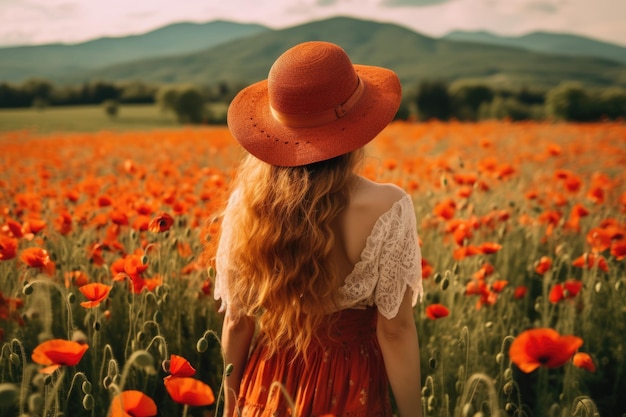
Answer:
(321, 118)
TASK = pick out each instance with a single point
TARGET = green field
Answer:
(86, 119)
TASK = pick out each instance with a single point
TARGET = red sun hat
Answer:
(314, 105)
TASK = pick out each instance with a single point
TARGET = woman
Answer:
(321, 265)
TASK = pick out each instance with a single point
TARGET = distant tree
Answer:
(570, 101)
(137, 92)
(66, 95)
(404, 111)
(467, 99)
(433, 100)
(111, 107)
(612, 103)
(187, 102)
(509, 108)
(96, 92)
(38, 90)
(13, 96)
(530, 96)
(189, 105)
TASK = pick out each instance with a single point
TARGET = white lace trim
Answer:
(390, 261)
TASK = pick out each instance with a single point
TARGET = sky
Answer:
(26, 22)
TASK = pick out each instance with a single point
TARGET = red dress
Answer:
(344, 374)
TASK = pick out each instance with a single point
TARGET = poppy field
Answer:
(106, 267)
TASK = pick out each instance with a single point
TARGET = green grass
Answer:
(86, 119)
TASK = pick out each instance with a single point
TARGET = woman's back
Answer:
(368, 201)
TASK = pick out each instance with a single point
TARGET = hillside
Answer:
(59, 60)
(552, 43)
(413, 56)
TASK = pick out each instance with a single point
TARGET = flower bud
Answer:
(229, 369)
(202, 345)
(88, 402)
(86, 387)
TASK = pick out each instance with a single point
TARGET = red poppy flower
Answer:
(485, 270)
(8, 248)
(468, 178)
(565, 291)
(461, 234)
(119, 218)
(132, 404)
(543, 265)
(572, 287)
(599, 239)
(152, 283)
(178, 366)
(57, 352)
(189, 391)
(133, 265)
(64, 223)
(584, 361)
(489, 247)
(554, 149)
(13, 228)
(9, 307)
(591, 260)
(499, 285)
(38, 258)
(95, 253)
(117, 268)
(436, 311)
(95, 293)
(520, 292)
(465, 251)
(78, 278)
(618, 249)
(445, 209)
(577, 212)
(571, 181)
(487, 298)
(427, 269)
(161, 223)
(35, 257)
(556, 293)
(596, 195)
(542, 347)
(207, 287)
(476, 287)
(104, 201)
(141, 223)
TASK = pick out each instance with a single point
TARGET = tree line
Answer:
(471, 101)
(430, 99)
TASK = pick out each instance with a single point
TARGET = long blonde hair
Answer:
(282, 239)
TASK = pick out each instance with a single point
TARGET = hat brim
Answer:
(252, 124)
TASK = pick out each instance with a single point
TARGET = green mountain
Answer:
(552, 43)
(413, 56)
(61, 60)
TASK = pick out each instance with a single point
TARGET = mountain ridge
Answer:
(547, 42)
(177, 38)
(246, 57)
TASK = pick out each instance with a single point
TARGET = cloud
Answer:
(412, 3)
(43, 21)
(542, 7)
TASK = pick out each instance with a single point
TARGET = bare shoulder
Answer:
(377, 197)
(368, 202)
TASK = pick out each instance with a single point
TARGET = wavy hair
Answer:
(282, 239)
